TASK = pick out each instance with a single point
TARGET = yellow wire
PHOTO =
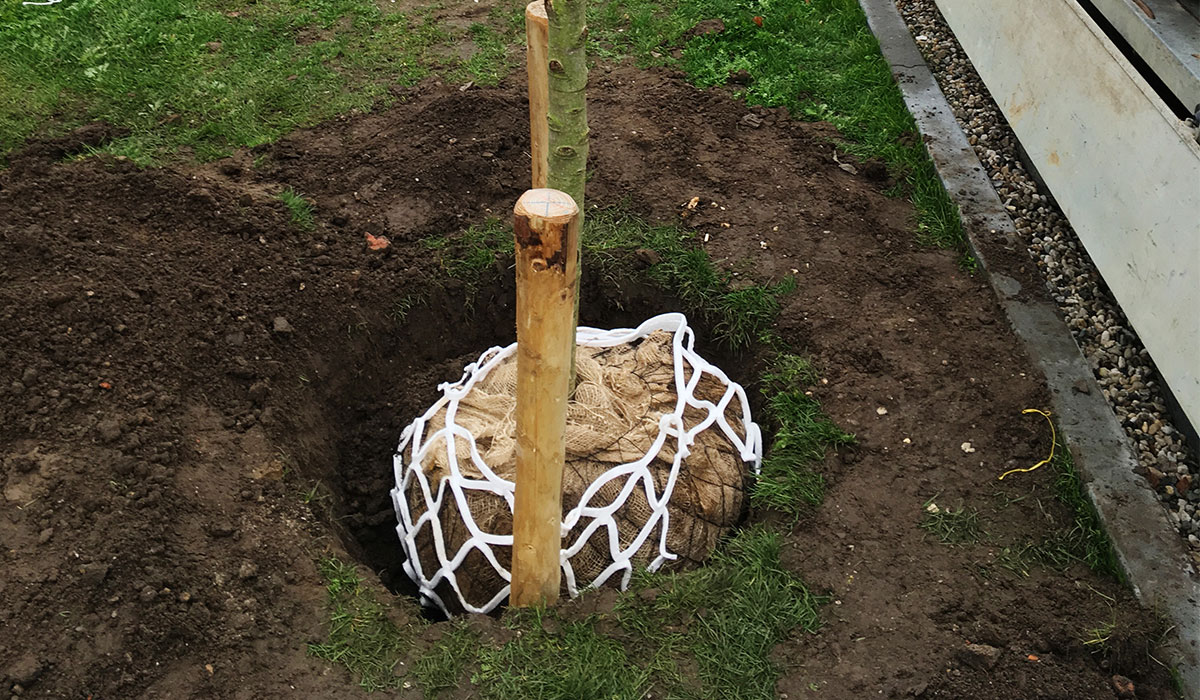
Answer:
(1053, 442)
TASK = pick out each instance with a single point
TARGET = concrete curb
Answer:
(1155, 559)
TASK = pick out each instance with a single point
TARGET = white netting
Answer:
(654, 433)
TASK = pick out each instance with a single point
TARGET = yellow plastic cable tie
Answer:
(1053, 442)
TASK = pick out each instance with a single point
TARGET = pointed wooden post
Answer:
(537, 37)
(546, 227)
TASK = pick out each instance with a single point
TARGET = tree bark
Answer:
(567, 120)
(567, 117)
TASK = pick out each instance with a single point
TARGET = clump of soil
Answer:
(201, 398)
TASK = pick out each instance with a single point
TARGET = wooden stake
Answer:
(546, 226)
(537, 34)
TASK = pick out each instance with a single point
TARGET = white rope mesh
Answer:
(428, 471)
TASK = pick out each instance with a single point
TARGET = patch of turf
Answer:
(1085, 538)
(489, 63)
(444, 664)
(739, 316)
(1081, 540)
(705, 634)
(790, 370)
(745, 314)
(209, 75)
(817, 58)
(788, 483)
(362, 636)
(952, 526)
(468, 254)
(719, 623)
(727, 616)
(571, 662)
(615, 230)
(301, 210)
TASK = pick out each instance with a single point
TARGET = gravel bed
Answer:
(1122, 365)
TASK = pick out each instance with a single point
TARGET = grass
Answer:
(314, 495)
(1085, 540)
(446, 662)
(571, 662)
(788, 483)
(489, 62)
(817, 58)
(362, 636)
(467, 255)
(1081, 541)
(1177, 681)
(210, 76)
(704, 634)
(1127, 644)
(405, 304)
(213, 75)
(950, 526)
(732, 613)
(301, 210)
(1097, 638)
(739, 317)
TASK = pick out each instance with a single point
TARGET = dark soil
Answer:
(180, 365)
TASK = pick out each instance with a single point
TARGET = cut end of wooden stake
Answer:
(551, 206)
(537, 10)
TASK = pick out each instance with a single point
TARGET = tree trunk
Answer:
(568, 107)
(567, 117)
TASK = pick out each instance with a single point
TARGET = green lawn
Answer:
(214, 75)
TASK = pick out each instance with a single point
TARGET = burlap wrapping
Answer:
(622, 393)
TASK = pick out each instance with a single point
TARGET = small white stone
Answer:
(966, 447)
